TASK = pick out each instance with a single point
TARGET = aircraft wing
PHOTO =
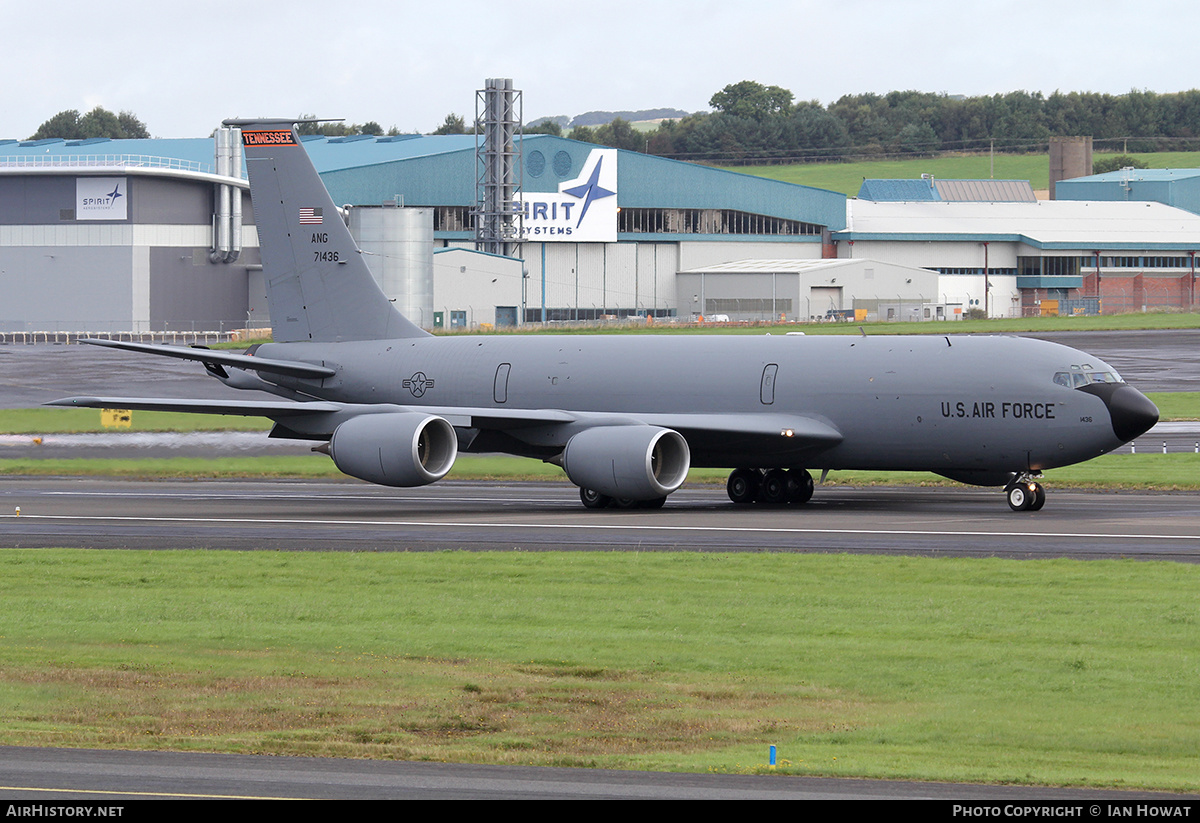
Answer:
(789, 432)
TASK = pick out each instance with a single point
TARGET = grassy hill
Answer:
(848, 177)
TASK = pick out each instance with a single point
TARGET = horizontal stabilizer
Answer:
(240, 361)
(247, 408)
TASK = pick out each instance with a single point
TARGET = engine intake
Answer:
(635, 462)
(399, 449)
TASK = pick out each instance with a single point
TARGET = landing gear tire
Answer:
(742, 486)
(1025, 496)
(653, 503)
(800, 487)
(1039, 497)
(593, 499)
(1019, 497)
(775, 488)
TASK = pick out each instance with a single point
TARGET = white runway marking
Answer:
(588, 526)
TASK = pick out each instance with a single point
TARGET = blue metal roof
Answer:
(893, 191)
(929, 189)
(1175, 187)
(1137, 174)
(436, 170)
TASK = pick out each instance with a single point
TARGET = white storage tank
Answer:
(397, 243)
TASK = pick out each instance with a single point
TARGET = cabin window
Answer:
(1084, 375)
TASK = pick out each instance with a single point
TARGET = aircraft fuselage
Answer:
(946, 404)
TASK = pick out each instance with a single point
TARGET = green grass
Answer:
(1182, 405)
(45, 420)
(1042, 672)
(1147, 470)
(847, 178)
(285, 466)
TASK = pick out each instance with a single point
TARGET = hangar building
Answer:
(110, 236)
(153, 262)
(1073, 256)
(115, 236)
(1174, 187)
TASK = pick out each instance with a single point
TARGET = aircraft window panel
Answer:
(500, 384)
(1063, 378)
(767, 388)
(1079, 379)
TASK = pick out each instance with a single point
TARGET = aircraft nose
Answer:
(1132, 412)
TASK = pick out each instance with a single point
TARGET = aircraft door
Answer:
(766, 391)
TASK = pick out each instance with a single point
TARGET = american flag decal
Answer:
(310, 216)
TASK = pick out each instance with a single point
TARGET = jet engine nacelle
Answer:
(635, 462)
(399, 449)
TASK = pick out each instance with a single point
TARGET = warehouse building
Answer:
(606, 230)
(1017, 257)
(154, 260)
(1172, 187)
(114, 236)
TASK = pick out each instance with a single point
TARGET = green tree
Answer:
(99, 122)
(583, 134)
(811, 130)
(65, 124)
(547, 126)
(133, 128)
(454, 124)
(620, 134)
(1111, 162)
(752, 100)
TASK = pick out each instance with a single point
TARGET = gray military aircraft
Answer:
(626, 416)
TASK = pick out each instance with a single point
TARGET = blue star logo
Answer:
(418, 384)
(589, 191)
(115, 194)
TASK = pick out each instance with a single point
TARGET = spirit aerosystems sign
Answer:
(584, 210)
(101, 198)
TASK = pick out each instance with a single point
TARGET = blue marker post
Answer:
(772, 755)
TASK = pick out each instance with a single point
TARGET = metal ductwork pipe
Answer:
(227, 221)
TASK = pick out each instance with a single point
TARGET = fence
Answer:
(181, 337)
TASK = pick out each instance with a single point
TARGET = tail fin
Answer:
(318, 285)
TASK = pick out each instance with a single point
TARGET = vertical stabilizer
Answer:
(318, 285)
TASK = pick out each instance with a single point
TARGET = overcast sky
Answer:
(182, 68)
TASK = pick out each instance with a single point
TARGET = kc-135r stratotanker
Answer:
(626, 416)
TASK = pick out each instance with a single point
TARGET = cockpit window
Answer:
(1084, 375)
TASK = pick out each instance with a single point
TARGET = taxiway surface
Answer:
(112, 777)
(353, 516)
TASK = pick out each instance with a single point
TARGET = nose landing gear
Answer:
(1025, 494)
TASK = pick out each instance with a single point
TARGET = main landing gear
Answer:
(593, 499)
(773, 487)
(1025, 494)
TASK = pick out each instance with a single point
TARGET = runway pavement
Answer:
(353, 516)
(75, 775)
